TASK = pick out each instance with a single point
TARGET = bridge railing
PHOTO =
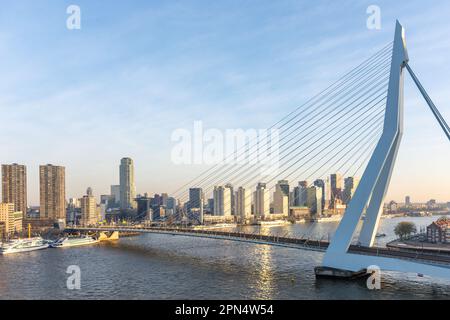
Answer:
(304, 242)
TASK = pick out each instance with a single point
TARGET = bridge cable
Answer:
(319, 113)
(430, 103)
(383, 50)
(320, 138)
(330, 117)
(348, 152)
(312, 119)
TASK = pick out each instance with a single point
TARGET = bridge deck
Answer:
(288, 242)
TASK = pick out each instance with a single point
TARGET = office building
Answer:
(10, 219)
(144, 207)
(171, 204)
(195, 198)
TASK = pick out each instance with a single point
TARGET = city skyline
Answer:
(141, 83)
(272, 191)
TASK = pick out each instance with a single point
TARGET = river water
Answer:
(154, 266)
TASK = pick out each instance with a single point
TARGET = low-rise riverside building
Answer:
(439, 231)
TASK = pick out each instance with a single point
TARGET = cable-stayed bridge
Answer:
(353, 126)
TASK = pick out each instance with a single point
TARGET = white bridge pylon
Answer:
(371, 191)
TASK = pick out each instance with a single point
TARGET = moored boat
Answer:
(273, 223)
(216, 226)
(74, 242)
(23, 245)
(335, 218)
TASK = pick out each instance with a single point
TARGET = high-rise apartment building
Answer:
(164, 198)
(408, 201)
(314, 200)
(300, 194)
(283, 185)
(326, 192)
(222, 201)
(262, 200)
(281, 198)
(233, 200)
(127, 186)
(350, 185)
(243, 203)
(14, 186)
(89, 214)
(115, 194)
(336, 188)
(52, 185)
(210, 205)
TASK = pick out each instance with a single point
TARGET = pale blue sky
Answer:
(137, 70)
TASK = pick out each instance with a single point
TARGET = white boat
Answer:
(329, 219)
(74, 242)
(273, 223)
(23, 245)
(216, 226)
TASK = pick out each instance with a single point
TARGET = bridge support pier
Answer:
(333, 273)
(351, 262)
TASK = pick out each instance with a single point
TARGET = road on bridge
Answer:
(423, 256)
